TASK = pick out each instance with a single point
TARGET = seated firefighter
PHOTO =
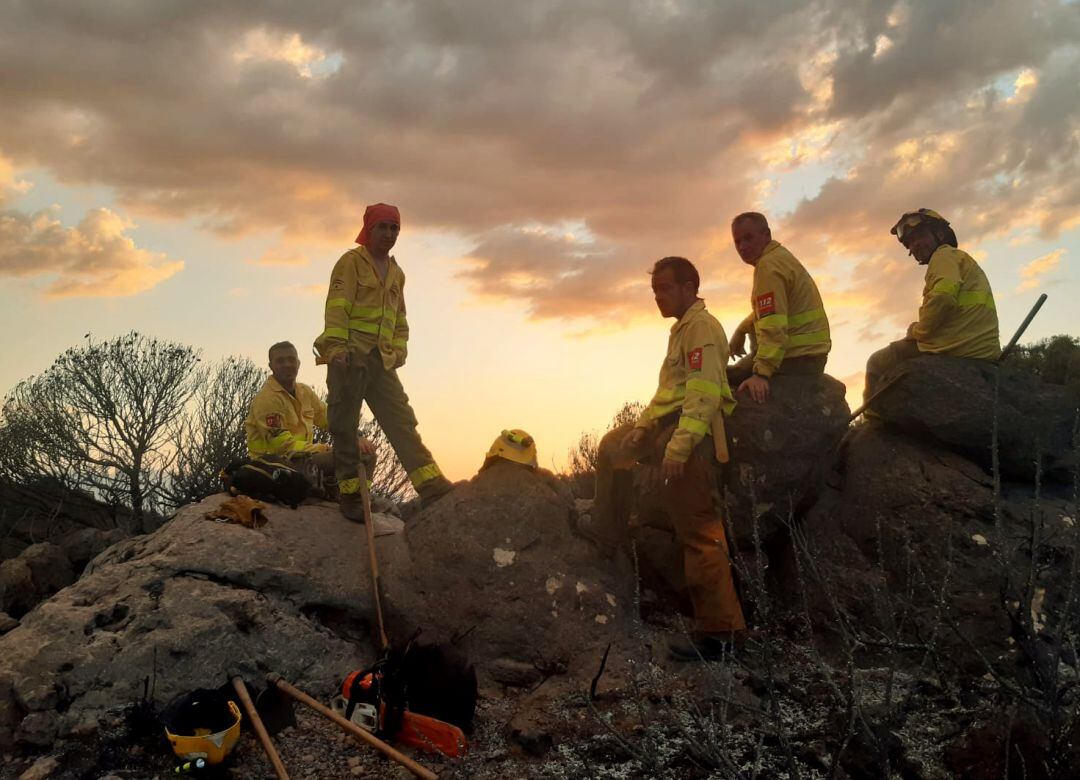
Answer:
(957, 316)
(682, 430)
(283, 417)
(788, 329)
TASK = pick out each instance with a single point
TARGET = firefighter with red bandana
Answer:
(363, 344)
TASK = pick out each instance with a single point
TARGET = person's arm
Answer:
(940, 295)
(707, 391)
(264, 428)
(737, 347)
(400, 341)
(334, 342)
(771, 306)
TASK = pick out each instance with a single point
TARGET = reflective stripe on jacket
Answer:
(789, 317)
(364, 312)
(693, 381)
(279, 424)
(958, 316)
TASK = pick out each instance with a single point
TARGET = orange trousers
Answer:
(689, 503)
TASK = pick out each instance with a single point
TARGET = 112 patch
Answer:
(766, 304)
(693, 358)
(273, 421)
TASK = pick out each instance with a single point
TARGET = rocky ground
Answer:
(919, 621)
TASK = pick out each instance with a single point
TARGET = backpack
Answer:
(268, 478)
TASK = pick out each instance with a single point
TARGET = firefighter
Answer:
(285, 413)
(957, 316)
(788, 329)
(364, 342)
(676, 429)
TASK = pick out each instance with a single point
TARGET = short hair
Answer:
(280, 345)
(681, 269)
(753, 216)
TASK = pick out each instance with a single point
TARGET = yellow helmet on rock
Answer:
(513, 445)
(913, 219)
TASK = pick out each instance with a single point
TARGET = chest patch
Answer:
(273, 421)
(766, 304)
(693, 359)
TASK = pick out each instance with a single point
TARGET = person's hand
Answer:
(757, 386)
(672, 470)
(635, 438)
(737, 346)
(366, 447)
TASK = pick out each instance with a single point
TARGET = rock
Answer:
(7, 623)
(42, 768)
(530, 727)
(515, 674)
(780, 452)
(187, 604)
(897, 534)
(85, 544)
(38, 729)
(39, 571)
(951, 401)
(495, 569)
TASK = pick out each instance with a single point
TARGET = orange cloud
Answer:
(94, 259)
(1033, 273)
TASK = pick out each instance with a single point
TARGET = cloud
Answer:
(93, 259)
(1033, 273)
(647, 124)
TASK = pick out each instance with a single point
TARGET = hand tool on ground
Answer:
(1004, 353)
(275, 680)
(260, 729)
(365, 496)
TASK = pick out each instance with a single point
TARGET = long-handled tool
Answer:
(365, 495)
(366, 736)
(1004, 354)
(260, 729)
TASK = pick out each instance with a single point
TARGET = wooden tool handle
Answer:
(260, 729)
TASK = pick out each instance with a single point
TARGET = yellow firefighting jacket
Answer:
(279, 424)
(693, 381)
(957, 316)
(364, 312)
(787, 312)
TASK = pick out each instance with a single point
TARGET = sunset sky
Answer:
(193, 170)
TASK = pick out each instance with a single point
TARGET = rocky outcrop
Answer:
(951, 401)
(909, 542)
(180, 608)
(36, 573)
(495, 568)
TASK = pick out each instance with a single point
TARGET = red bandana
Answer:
(373, 215)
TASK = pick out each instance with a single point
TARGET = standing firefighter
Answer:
(957, 316)
(364, 343)
(677, 428)
(787, 324)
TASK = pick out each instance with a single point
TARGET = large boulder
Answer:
(910, 548)
(182, 607)
(36, 573)
(951, 401)
(495, 569)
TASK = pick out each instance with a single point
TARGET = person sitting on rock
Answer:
(284, 415)
(957, 317)
(676, 431)
(788, 329)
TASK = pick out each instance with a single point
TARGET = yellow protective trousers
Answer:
(350, 385)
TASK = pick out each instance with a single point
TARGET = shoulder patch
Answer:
(273, 421)
(337, 284)
(766, 304)
(693, 359)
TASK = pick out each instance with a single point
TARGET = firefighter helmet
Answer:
(515, 446)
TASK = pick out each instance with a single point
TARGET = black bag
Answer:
(268, 479)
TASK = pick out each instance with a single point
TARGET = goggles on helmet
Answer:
(912, 220)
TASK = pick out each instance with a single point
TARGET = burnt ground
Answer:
(782, 707)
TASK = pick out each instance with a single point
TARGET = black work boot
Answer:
(701, 646)
(352, 506)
